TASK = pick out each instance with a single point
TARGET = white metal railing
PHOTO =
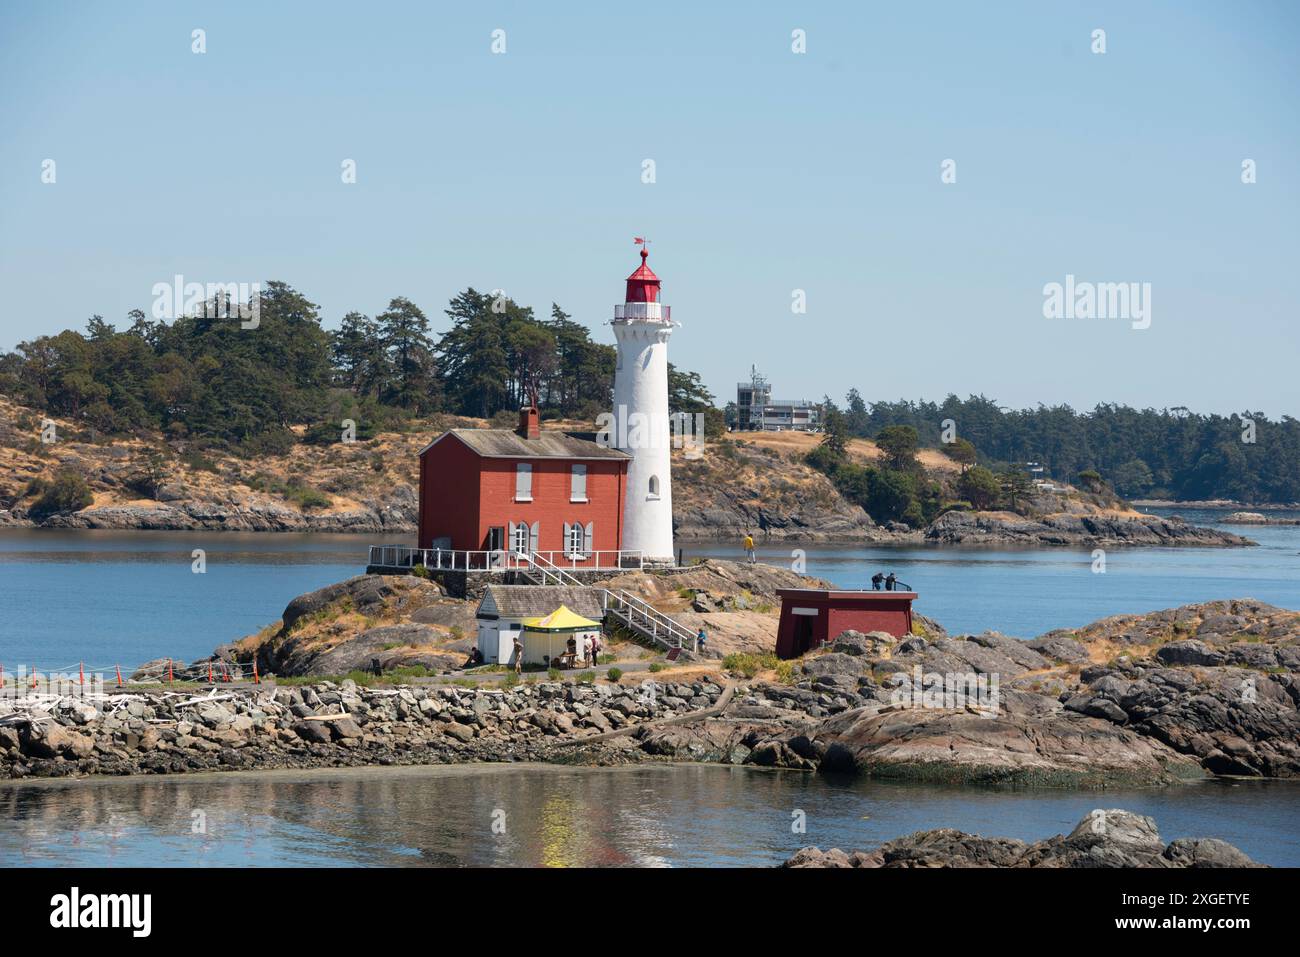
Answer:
(655, 311)
(639, 613)
(655, 624)
(498, 560)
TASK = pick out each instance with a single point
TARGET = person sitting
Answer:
(877, 580)
(475, 659)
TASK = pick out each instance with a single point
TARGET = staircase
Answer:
(626, 609)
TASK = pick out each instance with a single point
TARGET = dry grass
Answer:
(863, 451)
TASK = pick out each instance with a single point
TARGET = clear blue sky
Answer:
(775, 171)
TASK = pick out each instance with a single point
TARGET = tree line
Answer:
(1159, 453)
(209, 379)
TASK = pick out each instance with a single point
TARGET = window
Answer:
(577, 540)
(578, 483)
(523, 482)
(523, 537)
(654, 487)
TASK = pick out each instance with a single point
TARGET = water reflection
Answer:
(540, 816)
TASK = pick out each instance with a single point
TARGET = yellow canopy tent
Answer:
(546, 638)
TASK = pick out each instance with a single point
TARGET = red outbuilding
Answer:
(523, 490)
(812, 616)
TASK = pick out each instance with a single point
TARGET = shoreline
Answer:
(415, 769)
(977, 533)
(1214, 504)
(1195, 709)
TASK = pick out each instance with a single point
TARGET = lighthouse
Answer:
(642, 325)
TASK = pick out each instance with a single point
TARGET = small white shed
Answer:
(503, 609)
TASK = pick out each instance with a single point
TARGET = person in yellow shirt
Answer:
(749, 547)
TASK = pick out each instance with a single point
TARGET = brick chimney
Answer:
(529, 423)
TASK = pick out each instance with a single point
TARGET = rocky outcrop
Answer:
(1104, 838)
(1214, 681)
(333, 725)
(390, 621)
(735, 487)
(1231, 720)
(1258, 518)
(1157, 707)
(395, 512)
(729, 517)
(981, 528)
(1026, 742)
(736, 603)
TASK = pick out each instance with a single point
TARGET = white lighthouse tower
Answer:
(642, 325)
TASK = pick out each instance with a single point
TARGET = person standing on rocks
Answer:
(749, 547)
(700, 639)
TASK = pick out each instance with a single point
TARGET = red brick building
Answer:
(523, 490)
(813, 616)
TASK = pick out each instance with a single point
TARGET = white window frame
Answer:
(573, 542)
(578, 539)
(520, 533)
(578, 483)
(523, 482)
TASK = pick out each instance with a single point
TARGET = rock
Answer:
(314, 731)
(1060, 748)
(241, 723)
(1206, 852)
(78, 746)
(45, 739)
(1192, 652)
(460, 732)
(814, 857)
(345, 728)
(871, 645)
(366, 593)
(1105, 838)
(156, 670)
(214, 715)
(1059, 647)
(964, 528)
(1247, 518)
(835, 663)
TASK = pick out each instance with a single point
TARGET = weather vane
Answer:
(642, 242)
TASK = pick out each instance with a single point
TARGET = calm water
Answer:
(1025, 592)
(110, 597)
(126, 597)
(107, 597)
(664, 815)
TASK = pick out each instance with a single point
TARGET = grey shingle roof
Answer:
(529, 601)
(508, 444)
